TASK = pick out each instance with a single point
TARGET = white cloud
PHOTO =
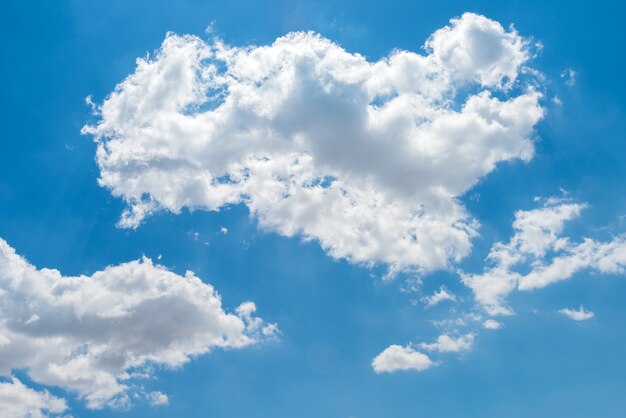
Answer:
(577, 315)
(19, 401)
(94, 335)
(158, 398)
(368, 158)
(447, 344)
(395, 358)
(492, 324)
(439, 296)
(538, 246)
(474, 48)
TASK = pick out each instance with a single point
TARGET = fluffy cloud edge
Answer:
(96, 335)
(318, 142)
(19, 401)
(538, 245)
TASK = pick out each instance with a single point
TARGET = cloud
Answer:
(577, 315)
(395, 358)
(19, 401)
(440, 296)
(492, 324)
(398, 358)
(367, 158)
(158, 399)
(538, 247)
(95, 335)
(447, 344)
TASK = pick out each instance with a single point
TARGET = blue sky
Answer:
(334, 315)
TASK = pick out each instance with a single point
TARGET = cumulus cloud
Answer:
(448, 344)
(538, 247)
(20, 401)
(577, 315)
(400, 358)
(395, 358)
(368, 158)
(439, 296)
(95, 335)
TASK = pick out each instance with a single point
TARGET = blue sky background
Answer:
(335, 317)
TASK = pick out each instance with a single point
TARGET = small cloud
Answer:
(246, 309)
(440, 296)
(569, 77)
(270, 331)
(396, 357)
(577, 315)
(492, 324)
(158, 399)
(447, 344)
(210, 29)
(95, 109)
(557, 101)
(224, 230)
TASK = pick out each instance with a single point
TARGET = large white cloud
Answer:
(95, 335)
(19, 401)
(368, 158)
(538, 255)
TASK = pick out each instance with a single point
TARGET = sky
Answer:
(312, 209)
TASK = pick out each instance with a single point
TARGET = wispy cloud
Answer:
(577, 315)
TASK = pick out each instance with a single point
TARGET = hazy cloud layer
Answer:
(368, 158)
